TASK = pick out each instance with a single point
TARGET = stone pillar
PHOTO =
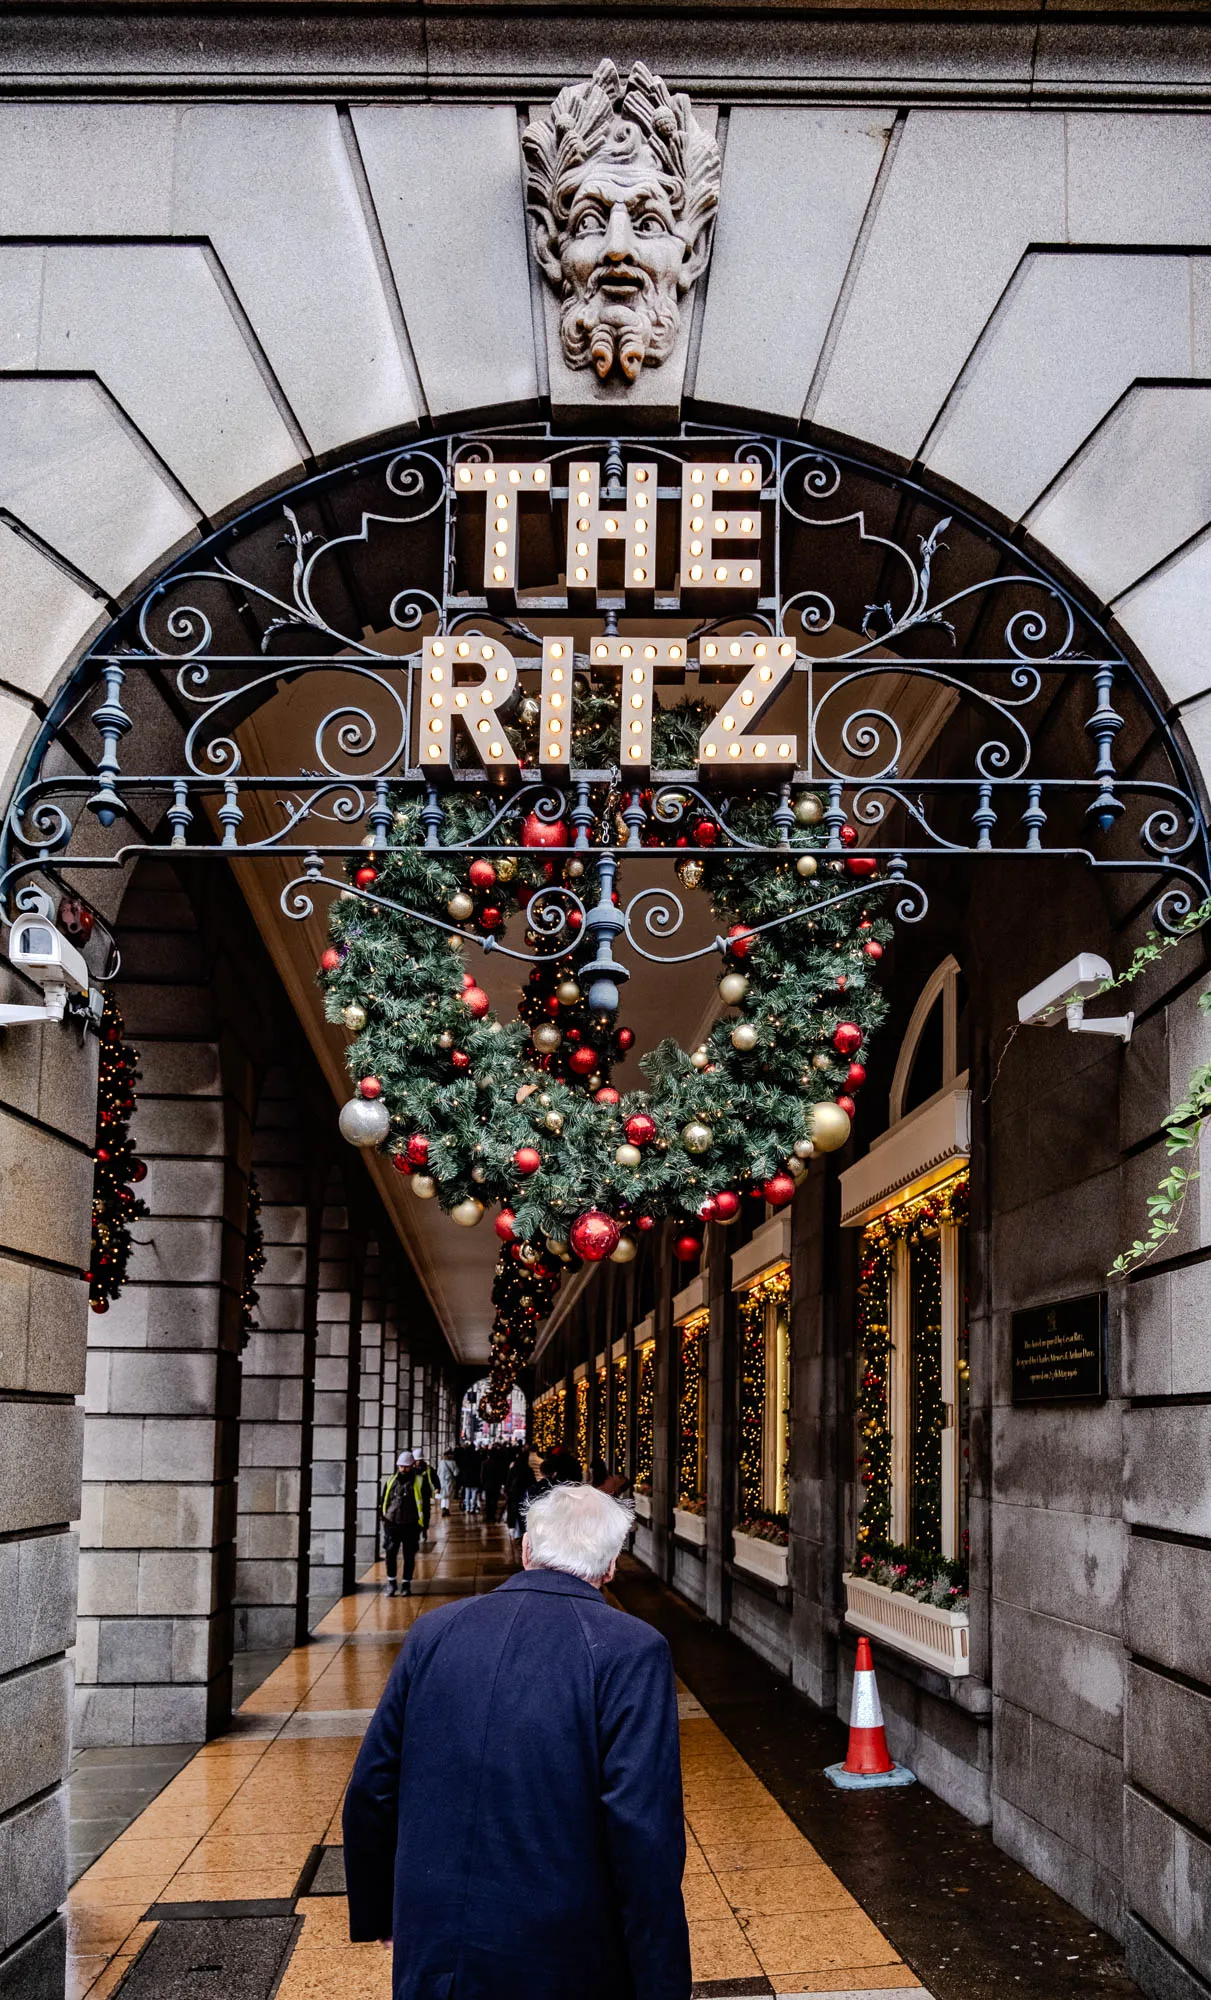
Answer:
(664, 1415)
(331, 1376)
(47, 1096)
(271, 1402)
(721, 1391)
(369, 1405)
(817, 1399)
(162, 1402)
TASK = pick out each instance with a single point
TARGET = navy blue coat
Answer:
(514, 1818)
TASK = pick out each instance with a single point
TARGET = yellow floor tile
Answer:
(719, 1950)
(849, 1979)
(774, 1891)
(817, 1942)
(93, 1927)
(359, 1972)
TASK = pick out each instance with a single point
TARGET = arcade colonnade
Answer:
(205, 293)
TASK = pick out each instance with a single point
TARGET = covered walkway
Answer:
(228, 1886)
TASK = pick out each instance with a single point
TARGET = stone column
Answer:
(47, 1096)
(664, 1415)
(162, 1403)
(331, 1376)
(816, 1403)
(720, 1423)
(369, 1405)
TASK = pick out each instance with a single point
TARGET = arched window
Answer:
(909, 1198)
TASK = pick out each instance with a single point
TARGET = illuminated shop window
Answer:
(618, 1439)
(582, 1419)
(765, 1387)
(691, 1411)
(645, 1415)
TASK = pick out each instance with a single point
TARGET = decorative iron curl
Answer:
(297, 902)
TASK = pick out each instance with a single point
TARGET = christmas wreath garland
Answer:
(524, 1113)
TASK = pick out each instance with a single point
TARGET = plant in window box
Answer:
(768, 1527)
(686, 1505)
(930, 1579)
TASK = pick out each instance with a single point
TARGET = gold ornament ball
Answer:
(806, 866)
(446, 1039)
(821, 1061)
(460, 906)
(554, 1122)
(547, 1038)
(732, 988)
(700, 1057)
(544, 1100)
(479, 1174)
(354, 1017)
(796, 1167)
(596, 1081)
(624, 1250)
(628, 1156)
(506, 868)
(804, 1148)
(696, 1137)
(808, 809)
(455, 943)
(423, 1186)
(529, 1254)
(574, 870)
(466, 1213)
(744, 1037)
(690, 874)
(559, 1247)
(567, 992)
(830, 1127)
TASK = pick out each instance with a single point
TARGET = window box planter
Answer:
(643, 1506)
(768, 1560)
(925, 1632)
(690, 1527)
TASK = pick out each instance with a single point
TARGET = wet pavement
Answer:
(970, 1922)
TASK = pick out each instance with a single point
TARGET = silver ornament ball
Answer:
(821, 1061)
(364, 1123)
(628, 1156)
(460, 906)
(547, 1037)
(804, 1148)
(554, 1122)
(354, 1017)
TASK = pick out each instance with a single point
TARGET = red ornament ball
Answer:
(138, 1170)
(365, 876)
(841, 982)
(477, 1001)
(400, 1162)
(645, 1222)
(847, 1038)
(861, 865)
(99, 1305)
(503, 1225)
(740, 941)
(855, 1076)
(873, 948)
(594, 1235)
(706, 833)
(640, 1129)
(708, 1210)
(778, 1190)
(537, 832)
(606, 1095)
(687, 1249)
(583, 1061)
(416, 1151)
(552, 1004)
(849, 836)
(330, 959)
(527, 1159)
(490, 918)
(624, 1040)
(370, 1087)
(481, 875)
(574, 920)
(102, 1153)
(727, 1205)
(847, 1105)
(460, 1059)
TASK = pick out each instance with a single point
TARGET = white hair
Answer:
(578, 1529)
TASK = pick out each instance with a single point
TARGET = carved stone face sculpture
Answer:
(622, 186)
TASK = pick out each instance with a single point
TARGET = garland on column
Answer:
(254, 1263)
(582, 1419)
(689, 1413)
(618, 1443)
(753, 1316)
(645, 1416)
(116, 1166)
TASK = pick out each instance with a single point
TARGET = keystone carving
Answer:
(622, 188)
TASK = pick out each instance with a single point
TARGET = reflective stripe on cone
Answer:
(867, 1755)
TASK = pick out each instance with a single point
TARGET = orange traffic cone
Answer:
(868, 1761)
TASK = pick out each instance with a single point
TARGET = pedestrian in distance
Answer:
(447, 1477)
(405, 1512)
(532, 1733)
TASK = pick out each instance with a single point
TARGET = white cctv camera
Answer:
(44, 955)
(1063, 997)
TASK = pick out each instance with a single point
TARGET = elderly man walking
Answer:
(530, 1734)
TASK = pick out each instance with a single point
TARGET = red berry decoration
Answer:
(416, 1152)
(330, 959)
(370, 1087)
(855, 1076)
(583, 1061)
(400, 1162)
(624, 1040)
(537, 832)
(365, 875)
(460, 1059)
(490, 918)
(527, 1159)
(687, 1249)
(503, 1225)
(594, 1235)
(778, 1190)
(606, 1095)
(849, 836)
(640, 1129)
(861, 865)
(841, 982)
(481, 875)
(740, 941)
(847, 1105)
(706, 833)
(873, 948)
(477, 1001)
(847, 1038)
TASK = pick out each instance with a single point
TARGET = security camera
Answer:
(43, 954)
(1063, 997)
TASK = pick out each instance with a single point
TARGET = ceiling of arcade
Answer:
(199, 303)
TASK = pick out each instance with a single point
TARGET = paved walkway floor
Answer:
(228, 1885)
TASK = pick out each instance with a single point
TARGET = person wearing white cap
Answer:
(403, 1507)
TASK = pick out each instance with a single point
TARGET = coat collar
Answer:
(555, 1580)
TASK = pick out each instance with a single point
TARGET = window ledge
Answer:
(779, 1594)
(925, 1632)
